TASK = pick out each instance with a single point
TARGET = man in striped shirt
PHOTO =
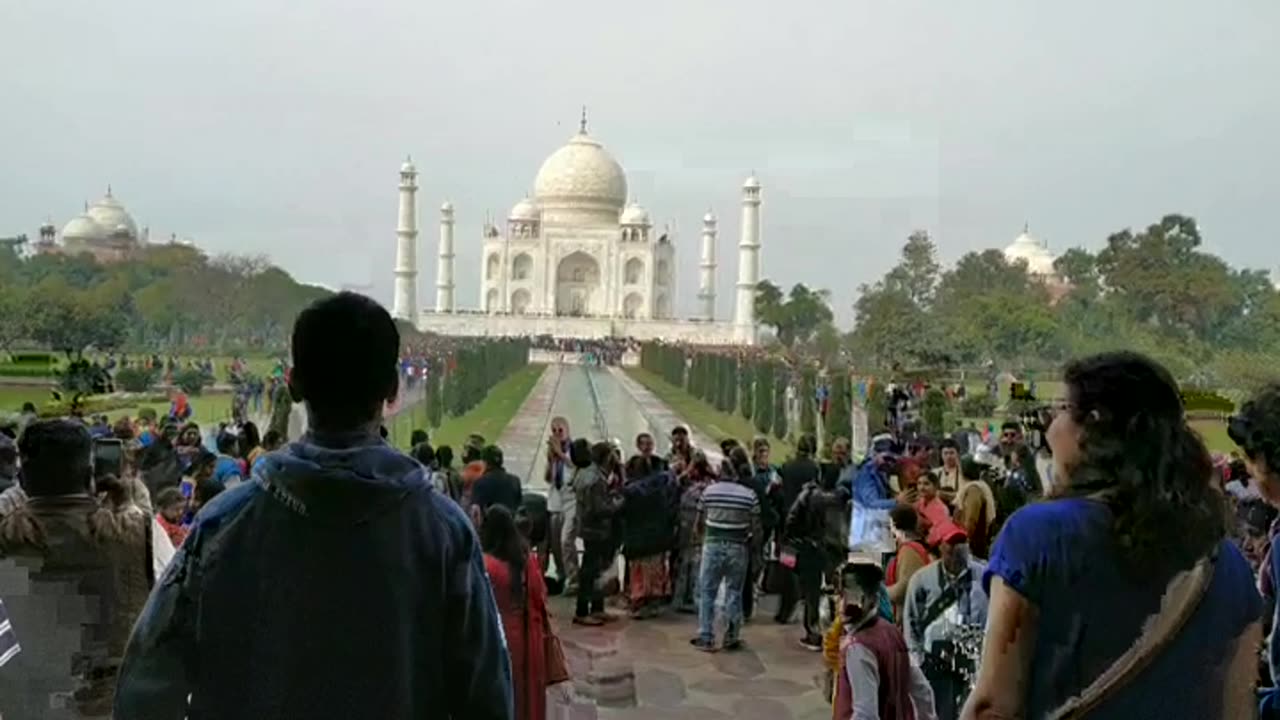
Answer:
(729, 522)
(8, 641)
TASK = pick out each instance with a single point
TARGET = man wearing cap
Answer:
(946, 611)
(873, 498)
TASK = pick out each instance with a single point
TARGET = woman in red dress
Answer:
(516, 576)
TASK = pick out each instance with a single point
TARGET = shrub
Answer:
(135, 379)
(934, 412)
(191, 381)
(27, 371)
(978, 406)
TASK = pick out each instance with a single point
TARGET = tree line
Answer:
(166, 298)
(1155, 290)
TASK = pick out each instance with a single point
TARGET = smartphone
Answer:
(108, 457)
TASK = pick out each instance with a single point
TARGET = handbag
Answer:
(1180, 599)
(553, 658)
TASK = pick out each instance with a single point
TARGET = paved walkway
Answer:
(525, 436)
(662, 416)
(652, 673)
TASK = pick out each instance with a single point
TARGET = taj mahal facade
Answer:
(578, 260)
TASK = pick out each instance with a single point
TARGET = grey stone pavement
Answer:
(646, 669)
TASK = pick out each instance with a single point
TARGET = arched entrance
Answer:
(631, 306)
(520, 301)
(578, 285)
(491, 301)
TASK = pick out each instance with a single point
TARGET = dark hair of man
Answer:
(492, 456)
(680, 430)
(580, 453)
(760, 441)
(642, 436)
(168, 497)
(417, 437)
(250, 438)
(228, 444)
(272, 440)
(1137, 448)
(423, 453)
(1010, 425)
(203, 460)
(971, 469)
(741, 463)
(207, 490)
(905, 518)
(1256, 428)
(948, 444)
(807, 445)
(601, 453)
(864, 576)
(57, 458)
(346, 352)
(28, 407)
(500, 538)
(728, 444)
(470, 454)
(444, 456)
(639, 467)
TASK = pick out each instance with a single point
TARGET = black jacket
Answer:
(648, 522)
(497, 487)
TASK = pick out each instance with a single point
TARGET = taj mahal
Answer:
(578, 259)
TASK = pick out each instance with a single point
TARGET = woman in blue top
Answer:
(1073, 579)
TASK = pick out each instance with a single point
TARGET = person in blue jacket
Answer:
(873, 498)
(337, 582)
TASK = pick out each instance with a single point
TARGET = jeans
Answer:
(568, 550)
(590, 594)
(552, 547)
(754, 565)
(685, 594)
(722, 562)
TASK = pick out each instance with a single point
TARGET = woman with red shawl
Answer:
(516, 576)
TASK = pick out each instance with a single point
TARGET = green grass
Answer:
(208, 409)
(1214, 433)
(489, 418)
(706, 419)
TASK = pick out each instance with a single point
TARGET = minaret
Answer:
(707, 279)
(406, 298)
(444, 264)
(744, 317)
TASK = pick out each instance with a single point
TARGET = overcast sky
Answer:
(279, 128)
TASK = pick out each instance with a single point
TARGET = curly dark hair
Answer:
(905, 518)
(1256, 428)
(1137, 448)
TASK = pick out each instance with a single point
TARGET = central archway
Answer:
(578, 285)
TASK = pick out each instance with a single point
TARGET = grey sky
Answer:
(275, 127)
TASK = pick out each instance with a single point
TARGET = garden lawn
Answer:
(490, 418)
(708, 420)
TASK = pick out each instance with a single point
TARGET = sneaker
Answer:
(812, 644)
(732, 645)
(605, 618)
(588, 621)
(703, 644)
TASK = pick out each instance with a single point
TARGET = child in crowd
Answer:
(170, 506)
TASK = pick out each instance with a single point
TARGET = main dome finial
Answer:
(582, 124)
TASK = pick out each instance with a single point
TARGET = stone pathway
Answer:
(662, 416)
(652, 673)
(525, 436)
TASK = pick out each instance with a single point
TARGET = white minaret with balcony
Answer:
(405, 306)
(444, 264)
(744, 317)
(707, 269)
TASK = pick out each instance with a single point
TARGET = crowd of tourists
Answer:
(599, 351)
(1088, 568)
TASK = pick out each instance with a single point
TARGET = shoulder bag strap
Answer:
(1180, 599)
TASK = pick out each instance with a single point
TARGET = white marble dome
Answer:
(1036, 254)
(82, 227)
(581, 173)
(634, 214)
(526, 210)
(109, 213)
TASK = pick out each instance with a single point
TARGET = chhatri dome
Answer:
(1033, 251)
(580, 180)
